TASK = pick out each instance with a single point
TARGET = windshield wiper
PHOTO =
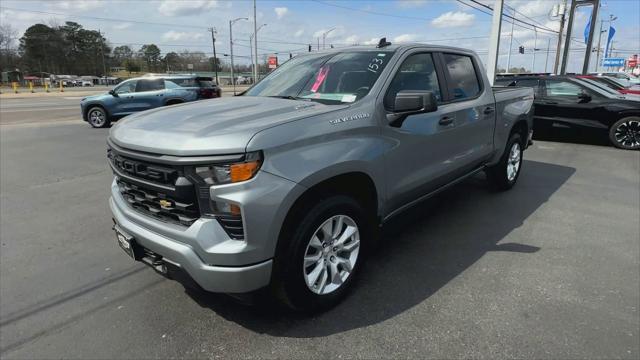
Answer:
(289, 97)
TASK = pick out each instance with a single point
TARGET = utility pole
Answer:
(494, 41)
(598, 49)
(231, 22)
(513, 20)
(255, 43)
(535, 45)
(546, 61)
(104, 65)
(318, 43)
(254, 65)
(215, 57)
(562, 10)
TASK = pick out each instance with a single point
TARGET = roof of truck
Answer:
(394, 47)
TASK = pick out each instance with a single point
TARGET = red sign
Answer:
(273, 62)
(632, 61)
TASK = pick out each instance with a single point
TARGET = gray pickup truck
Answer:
(284, 188)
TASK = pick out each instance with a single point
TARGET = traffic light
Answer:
(521, 49)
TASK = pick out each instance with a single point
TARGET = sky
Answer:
(176, 25)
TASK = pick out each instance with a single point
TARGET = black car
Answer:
(569, 102)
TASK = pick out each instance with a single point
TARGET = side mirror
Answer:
(584, 97)
(409, 102)
(113, 93)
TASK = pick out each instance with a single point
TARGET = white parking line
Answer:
(44, 109)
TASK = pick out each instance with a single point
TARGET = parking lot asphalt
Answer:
(550, 269)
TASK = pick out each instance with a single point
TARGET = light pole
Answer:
(324, 36)
(231, 22)
(513, 20)
(535, 45)
(254, 64)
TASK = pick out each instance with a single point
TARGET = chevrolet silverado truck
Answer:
(284, 188)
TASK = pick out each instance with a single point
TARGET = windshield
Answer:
(328, 78)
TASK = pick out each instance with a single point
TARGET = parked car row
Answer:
(584, 102)
(145, 93)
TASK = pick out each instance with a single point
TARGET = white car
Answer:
(87, 83)
(623, 77)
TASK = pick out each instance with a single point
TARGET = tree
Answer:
(151, 55)
(215, 64)
(8, 37)
(172, 61)
(131, 65)
(122, 54)
(42, 47)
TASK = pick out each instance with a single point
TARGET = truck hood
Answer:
(209, 127)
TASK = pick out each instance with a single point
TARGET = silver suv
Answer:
(286, 186)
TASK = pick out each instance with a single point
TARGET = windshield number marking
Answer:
(374, 65)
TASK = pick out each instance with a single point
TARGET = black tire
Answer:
(289, 284)
(499, 175)
(97, 117)
(625, 133)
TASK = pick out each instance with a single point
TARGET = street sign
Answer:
(273, 62)
(613, 62)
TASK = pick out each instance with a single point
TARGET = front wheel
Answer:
(318, 263)
(97, 117)
(625, 133)
(504, 174)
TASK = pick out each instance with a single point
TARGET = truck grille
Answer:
(159, 205)
(158, 191)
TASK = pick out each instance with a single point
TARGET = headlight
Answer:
(230, 173)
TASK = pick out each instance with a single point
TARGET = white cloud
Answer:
(535, 7)
(404, 38)
(350, 40)
(373, 41)
(281, 12)
(409, 4)
(179, 36)
(453, 19)
(298, 33)
(122, 26)
(81, 5)
(185, 7)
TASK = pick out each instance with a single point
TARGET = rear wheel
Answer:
(318, 264)
(504, 174)
(97, 117)
(625, 133)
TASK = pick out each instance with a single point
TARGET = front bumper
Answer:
(227, 279)
(204, 250)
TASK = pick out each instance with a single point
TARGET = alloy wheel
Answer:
(331, 254)
(628, 134)
(97, 118)
(513, 162)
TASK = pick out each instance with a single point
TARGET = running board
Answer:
(429, 195)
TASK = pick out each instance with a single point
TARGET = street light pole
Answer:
(231, 22)
(254, 64)
(546, 61)
(513, 20)
(324, 36)
(255, 43)
(535, 45)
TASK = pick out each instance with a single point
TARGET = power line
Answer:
(104, 18)
(507, 16)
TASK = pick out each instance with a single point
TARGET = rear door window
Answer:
(150, 85)
(463, 80)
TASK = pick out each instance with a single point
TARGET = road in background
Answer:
(60, 107)
(549, 269)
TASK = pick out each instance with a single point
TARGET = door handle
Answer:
(488, 110)
(445, 120)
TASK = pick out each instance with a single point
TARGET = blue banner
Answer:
(613, 62)
(586, 30)
(612, 32)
